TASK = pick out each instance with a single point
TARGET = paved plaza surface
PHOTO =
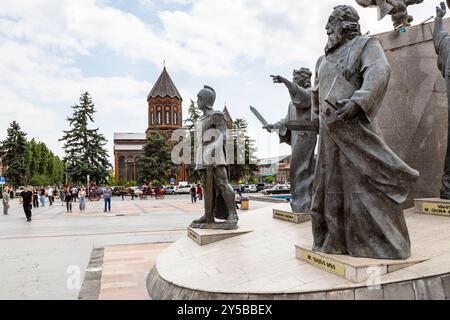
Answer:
(47, 258)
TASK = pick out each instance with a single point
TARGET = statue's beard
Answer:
(335, 40)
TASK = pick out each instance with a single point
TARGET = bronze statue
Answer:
(359, 181)
(303, 143)
(398, 9)
(210, 161)
(442, 45)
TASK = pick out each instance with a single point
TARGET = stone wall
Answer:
(433, 288)
(413, 118)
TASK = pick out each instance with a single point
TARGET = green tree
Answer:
(193, 115)
(84, 147)
(13, 154)
(156, 162)
(244, 165)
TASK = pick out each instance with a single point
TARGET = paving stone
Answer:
(399, 291)
(429, 289)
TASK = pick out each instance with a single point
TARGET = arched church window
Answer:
(159, 118)
(152, 118)
(167, 117)
(175, 118)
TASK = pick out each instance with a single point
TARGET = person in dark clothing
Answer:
(26, 200)
(35, 198)
(193, 192)
(68, 200)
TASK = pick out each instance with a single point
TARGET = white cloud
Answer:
(232, 44)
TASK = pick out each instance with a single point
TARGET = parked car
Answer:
(170, 189)
(261, 187)
(249, 188)
(277, 189)
(238, 188)
(183, 189)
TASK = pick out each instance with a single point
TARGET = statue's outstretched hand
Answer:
(277, 79)
(348, 111)
(441, 11)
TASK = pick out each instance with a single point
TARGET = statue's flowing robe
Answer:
(303, 144)
(359, 181)
(441, 41)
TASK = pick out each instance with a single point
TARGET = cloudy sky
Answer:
(53, 50)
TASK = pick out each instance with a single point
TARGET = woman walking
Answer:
(61, 196)
(82, 197)
(68, 200)
(42, 198)
(35, 198)
(5, 201)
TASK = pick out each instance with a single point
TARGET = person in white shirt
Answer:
(82, 197)
(50, 195)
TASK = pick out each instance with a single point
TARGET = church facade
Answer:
(164, 113)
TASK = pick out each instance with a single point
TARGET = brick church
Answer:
(164, 113)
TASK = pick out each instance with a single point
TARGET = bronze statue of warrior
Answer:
(302, 142)
(210, 162)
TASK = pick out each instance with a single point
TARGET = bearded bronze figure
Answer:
(359, 181)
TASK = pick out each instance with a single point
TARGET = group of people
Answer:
(34, 197)
(196, 193)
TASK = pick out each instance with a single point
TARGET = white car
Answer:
(249, 188)
(183, 190)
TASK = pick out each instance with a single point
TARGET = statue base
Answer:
(203, 237)
(353, 269)
(432, 206)
(285, 213)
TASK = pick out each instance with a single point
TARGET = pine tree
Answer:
(193, 115)
(244, 165)
(13, 154)
(85, 148)
(156, 162)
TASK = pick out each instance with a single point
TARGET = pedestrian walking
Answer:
(42, 197)
(68, 200)
(74, 194)
(199, 192)
(5, 201)
(82, 197)
(61, 196)
(35, 198)
(50, 195)
(193, 192)
(107, 194)
(26, 199)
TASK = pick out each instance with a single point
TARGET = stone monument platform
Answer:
(262, 265)
(432, 206)
(203, 237)
(284, 212)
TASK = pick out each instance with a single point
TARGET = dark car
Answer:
(261, 187)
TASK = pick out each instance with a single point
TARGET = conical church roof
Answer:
(164, 87)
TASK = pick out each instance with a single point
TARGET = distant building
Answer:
(165, 113)
(278, 167)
